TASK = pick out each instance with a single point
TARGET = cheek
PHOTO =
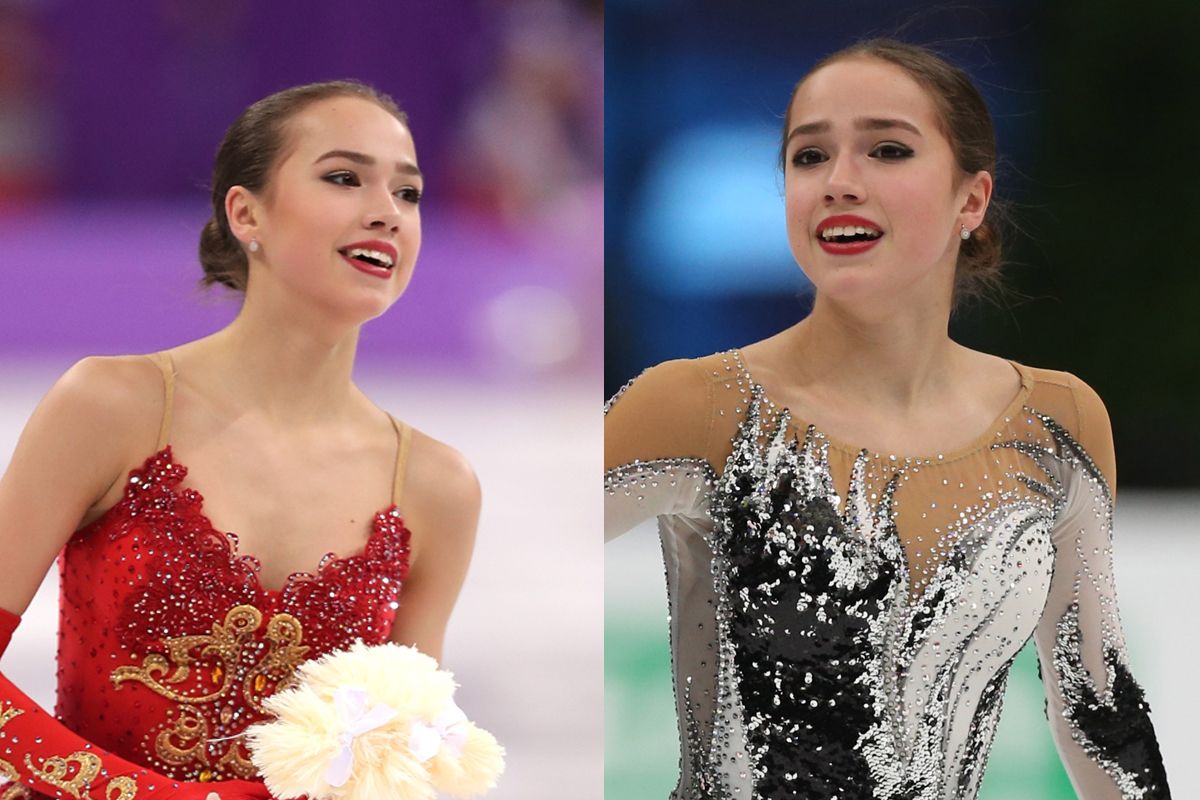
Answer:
(798, 203)
(411, 237)
(921, 215)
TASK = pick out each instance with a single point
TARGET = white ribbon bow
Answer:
(355, 719)
(447, 728)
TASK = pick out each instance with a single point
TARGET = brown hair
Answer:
(966, 124)
(246, 157)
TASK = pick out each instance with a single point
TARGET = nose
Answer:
(384, 214)
(845, 182)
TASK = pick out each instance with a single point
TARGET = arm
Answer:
(75, 447)
(656, 441)
(442, 515)
(1098, 714)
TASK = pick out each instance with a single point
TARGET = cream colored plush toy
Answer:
(369, 723)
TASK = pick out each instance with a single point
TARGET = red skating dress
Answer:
(168, 642)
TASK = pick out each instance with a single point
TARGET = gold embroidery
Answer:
(234, 762)
(7, 771)
(56, 769)
(184, 741)
(224, 645)
(278, 667)
(17, 792)
(209, 676)
(121, 789)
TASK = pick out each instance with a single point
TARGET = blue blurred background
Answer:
(1092, 104)
(110, 114)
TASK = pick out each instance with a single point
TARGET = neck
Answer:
(897, 359)
(289, 365)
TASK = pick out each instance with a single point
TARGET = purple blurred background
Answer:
(109, 120)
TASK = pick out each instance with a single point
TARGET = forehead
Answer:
(348, 123)
(863, 87)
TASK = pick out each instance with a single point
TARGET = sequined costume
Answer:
(842, 622)
(169, 642)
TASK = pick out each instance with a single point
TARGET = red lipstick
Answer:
(847, 221)
(370, 264)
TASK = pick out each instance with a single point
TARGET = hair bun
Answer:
(222, 259)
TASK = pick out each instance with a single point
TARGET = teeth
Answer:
(381, 257)
(834, 232)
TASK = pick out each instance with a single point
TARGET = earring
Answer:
(964, 234)
(254, 245)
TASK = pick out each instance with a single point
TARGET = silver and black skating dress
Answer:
(842, 623)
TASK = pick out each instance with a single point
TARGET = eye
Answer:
(807, 157)
(409, 194)
(342, 178)
(891, 151)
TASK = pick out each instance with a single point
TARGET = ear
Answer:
(977, 193)
(244, 212)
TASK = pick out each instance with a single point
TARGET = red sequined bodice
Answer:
(168, 641)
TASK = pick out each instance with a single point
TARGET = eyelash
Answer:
(897, 153)
(409, 194)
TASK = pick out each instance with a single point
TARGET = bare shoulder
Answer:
(71, 453)
(439, 472)
(111, 402)
(440, 498)
(122, 384)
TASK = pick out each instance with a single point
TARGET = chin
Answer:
(859, 291)
(367, 311)
(354, 309)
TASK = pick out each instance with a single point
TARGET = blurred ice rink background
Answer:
(109, 118)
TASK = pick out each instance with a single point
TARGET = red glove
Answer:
(41, 753)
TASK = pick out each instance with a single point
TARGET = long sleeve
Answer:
(1098, 714)
(39, 753)
(656, 437)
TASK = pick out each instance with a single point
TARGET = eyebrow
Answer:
(862, 124)
(368, 161)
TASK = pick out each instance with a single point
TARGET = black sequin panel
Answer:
(1113, 727)
(803, 634)
(983, 729)
(806, 589)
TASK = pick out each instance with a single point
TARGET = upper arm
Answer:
(657, 434)
(71, 451)
(663, 413)
(441, 510)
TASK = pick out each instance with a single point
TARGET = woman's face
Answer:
(874, 196)
(339, 220)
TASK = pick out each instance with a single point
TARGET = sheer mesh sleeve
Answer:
(1098, 714)
(656, 433)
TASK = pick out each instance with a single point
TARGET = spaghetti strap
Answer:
(404, 439)
(167, 366)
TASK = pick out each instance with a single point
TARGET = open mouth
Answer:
(373, 258)
(849, 234)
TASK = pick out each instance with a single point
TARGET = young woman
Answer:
(863, 522)
(349, 523)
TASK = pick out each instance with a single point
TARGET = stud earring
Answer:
(254, 245)
(964, 234)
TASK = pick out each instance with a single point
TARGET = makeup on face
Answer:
(847, 234)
